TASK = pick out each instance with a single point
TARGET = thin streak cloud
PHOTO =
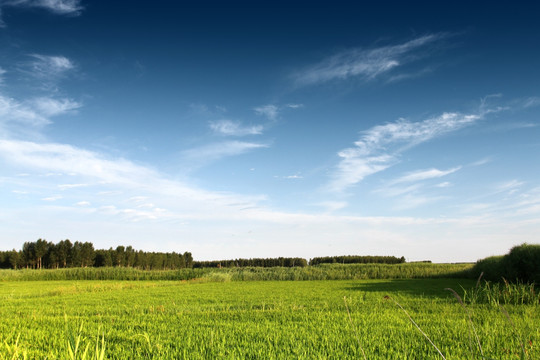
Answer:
(49, 67)
(24, 117)
(269, 111)
(219, 150)
(425, 175)
(234, 128)
(59, 7)
(365, 63)
(380, 146)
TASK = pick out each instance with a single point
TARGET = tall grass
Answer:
(75, 348)
(317, 272)
(505, 293)
(102, 273)
(351, 272)
(13, 350)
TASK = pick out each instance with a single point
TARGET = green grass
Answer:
(504, 293)
(318, 272)
(257, 320)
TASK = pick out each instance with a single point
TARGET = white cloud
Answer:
(83, 203)
(12, 111)
(380, 146)
(401, 77)
(232, 128)
(53, 107)
(425, 175)
(294, 106)
(365, 63)
(269, 111)
(510, 186)
(114, 174)
(219, 150)
(24, 117)
(444, 184)
(71, 186)
(398, 191)
(60, 7)
(20, 192)
(52, 198)
(481, 162)
(49, 67)
(531, 102)
(2, 71)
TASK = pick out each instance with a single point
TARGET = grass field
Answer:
(259, 320)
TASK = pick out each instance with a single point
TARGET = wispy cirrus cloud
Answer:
(272, 112)
(49, 107)
(234, 128)
(411, 191)
(531, 102)
(59, 7)
(269, 111)
(380, 146)
(25, 117)
(2, 72)
(427, 174)
(47, 67)
(365, 63)
(99, 172)
(215, 151)
(294, 106)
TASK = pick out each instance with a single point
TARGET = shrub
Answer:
(492, 267)
(522, 263)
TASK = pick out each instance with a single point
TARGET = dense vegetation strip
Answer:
(357, 259)
(318, 272)
(254, 262)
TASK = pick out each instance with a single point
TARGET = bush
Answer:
(522, 263)
(492, 267)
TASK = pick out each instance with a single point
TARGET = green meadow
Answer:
(217, 317)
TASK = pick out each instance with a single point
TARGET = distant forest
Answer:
(42, 254)
(357, 259)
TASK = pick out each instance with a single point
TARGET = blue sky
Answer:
(263, 129)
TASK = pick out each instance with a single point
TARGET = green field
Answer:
(259, 320)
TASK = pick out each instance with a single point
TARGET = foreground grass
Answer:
(259, 320)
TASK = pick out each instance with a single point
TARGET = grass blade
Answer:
(415, 324)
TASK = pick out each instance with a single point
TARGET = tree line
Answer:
(42, 254)
(357, 259)
(256, 262)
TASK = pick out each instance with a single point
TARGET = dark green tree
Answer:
(63, 252)
(188, 259)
